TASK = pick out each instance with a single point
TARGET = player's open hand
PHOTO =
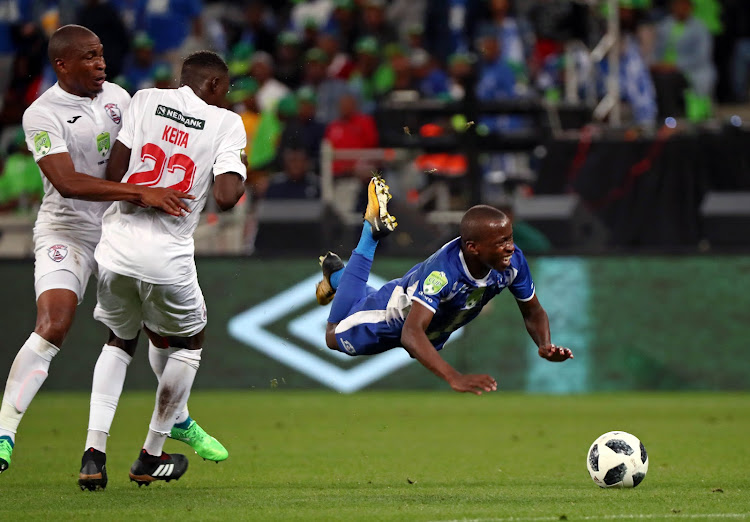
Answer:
(475, 384)
(555, 353)
(167, 200)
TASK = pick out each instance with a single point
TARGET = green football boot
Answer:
(207, 447)
(6, 450)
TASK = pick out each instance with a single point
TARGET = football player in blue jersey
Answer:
(435, 298)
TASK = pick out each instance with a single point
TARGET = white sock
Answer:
(171, 396)
(27, 373)
(158, 358)
(106, 388)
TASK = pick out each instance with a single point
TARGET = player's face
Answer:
(82, 71)
(497, 247)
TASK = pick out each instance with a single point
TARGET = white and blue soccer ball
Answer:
(617, 459)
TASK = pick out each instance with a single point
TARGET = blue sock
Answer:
(352, 288)
(336, 277)
(8, 439)
(184, 424)
(367, 245)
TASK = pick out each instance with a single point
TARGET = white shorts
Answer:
(124, 304)
(62, 261)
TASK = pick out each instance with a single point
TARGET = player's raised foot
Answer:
(324, 291)
(6, 450)
(207, 447)
(93, 475)
(376, 213)
(149, 468)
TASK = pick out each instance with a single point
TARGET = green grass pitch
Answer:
(425, 456)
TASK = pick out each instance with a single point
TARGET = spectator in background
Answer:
(352, 130)
(636, 86)
(683, 68)
(340, 65)
(102, 18)
(304, 11)
(373, 23)
(310, 34)
(343, 22)
(15, 16)
(256, 30)
(303, 130)
(328, 91)
(289, 59)
(514, 38)
(406, 15)
(270, 90)
(448, 24)
(172, 24)
(496, 78)
(432, 81)
(242, 96)
(163, 77)
(415, 37)
(140, 66)
(370, 78)
(459, 71)
(21, 185)
(738, 15)
(296, 180)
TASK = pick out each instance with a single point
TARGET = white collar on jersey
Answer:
(191, 94)
(71, 97)
(479, 282)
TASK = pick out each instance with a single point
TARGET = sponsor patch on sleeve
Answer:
(434, 282)
(42, 143)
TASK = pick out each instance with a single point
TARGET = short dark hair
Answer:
(202, 61)
(65, 39)
(477, 222)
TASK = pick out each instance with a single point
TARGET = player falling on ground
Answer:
(179, 138)
(433, 299)
(69, 130)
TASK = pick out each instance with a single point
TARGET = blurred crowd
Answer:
(306, 70)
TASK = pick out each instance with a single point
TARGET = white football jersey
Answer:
(176, 140)
(60, 122)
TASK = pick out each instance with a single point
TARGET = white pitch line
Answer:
(605, 517)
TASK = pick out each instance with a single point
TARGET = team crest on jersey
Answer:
(103, 143)
(114, 112)
(57, 252)
(434, 283)
(42, 143)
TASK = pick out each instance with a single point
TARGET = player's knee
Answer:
(54, 326)
(331, 337)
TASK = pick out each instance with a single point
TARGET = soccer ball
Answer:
(617, 459)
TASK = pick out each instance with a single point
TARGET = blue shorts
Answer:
(362, 334)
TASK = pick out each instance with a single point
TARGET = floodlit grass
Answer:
(394, 456)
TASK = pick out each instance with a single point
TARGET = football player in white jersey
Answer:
(70, 130)
(178, 138)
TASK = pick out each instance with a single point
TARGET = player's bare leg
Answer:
(185, 429)
(56, 310)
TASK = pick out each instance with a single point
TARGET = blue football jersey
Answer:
(443, 284)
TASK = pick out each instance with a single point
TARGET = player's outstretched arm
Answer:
(415, 341)
(59, 169)
(537, 324)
